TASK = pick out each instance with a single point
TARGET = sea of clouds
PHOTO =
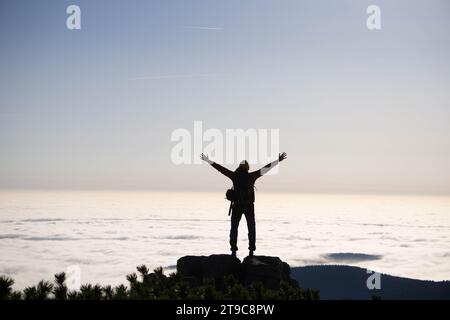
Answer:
(107, 234)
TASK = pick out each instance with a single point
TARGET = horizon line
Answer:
(286, 192)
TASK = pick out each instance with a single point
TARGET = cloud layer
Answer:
(108, 235)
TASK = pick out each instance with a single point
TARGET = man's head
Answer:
(244, 165)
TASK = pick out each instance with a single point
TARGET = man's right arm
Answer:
(266, 168)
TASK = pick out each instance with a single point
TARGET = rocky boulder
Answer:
(270, 271)
(216, 266)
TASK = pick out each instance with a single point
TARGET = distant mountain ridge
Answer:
(348, 282)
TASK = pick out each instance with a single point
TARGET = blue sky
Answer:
(358, 110)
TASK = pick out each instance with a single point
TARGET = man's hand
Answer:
(205, 158)
(282, 156)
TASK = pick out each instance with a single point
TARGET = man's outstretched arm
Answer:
(217, 166)
(269, 166)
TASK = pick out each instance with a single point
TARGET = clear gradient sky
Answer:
(358, 110)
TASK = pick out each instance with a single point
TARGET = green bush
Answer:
(144, 285)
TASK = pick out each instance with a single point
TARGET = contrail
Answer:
(175, 76)
(204, 28)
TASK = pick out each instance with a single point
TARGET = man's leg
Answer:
(235, 219)
(250, 217)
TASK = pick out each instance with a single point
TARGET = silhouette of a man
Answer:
(243, 185)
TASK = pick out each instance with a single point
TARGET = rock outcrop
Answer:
(270, 271)
(198, 268)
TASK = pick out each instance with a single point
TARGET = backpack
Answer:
(231, 196)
